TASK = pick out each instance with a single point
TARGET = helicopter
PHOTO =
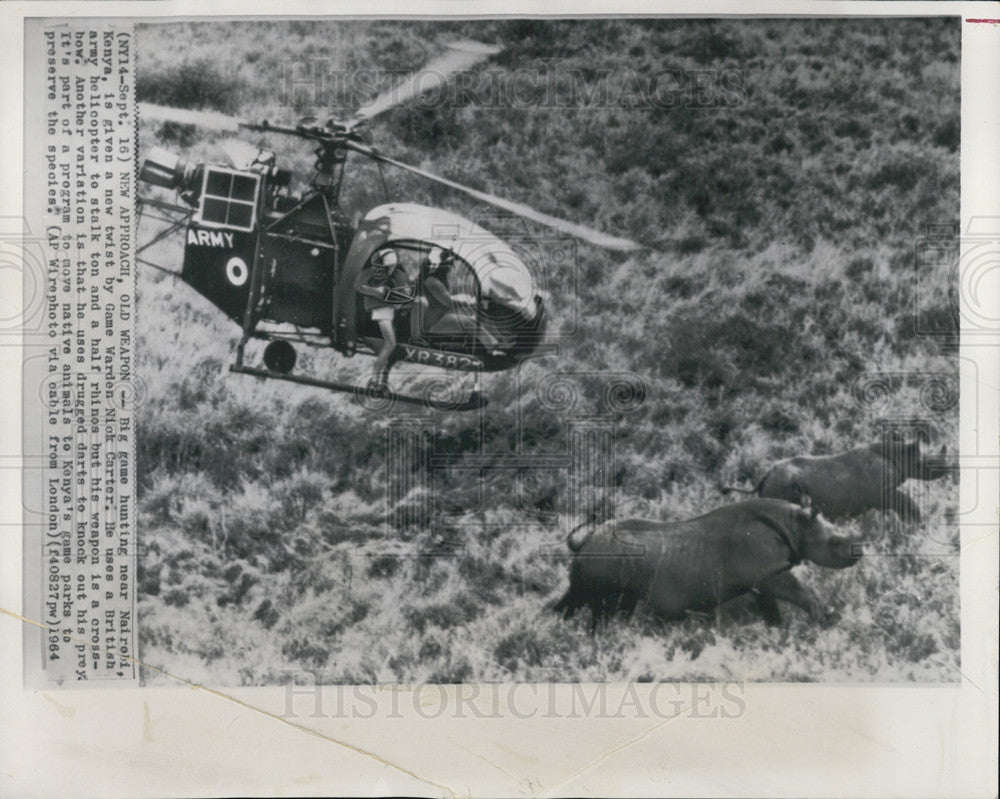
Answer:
(286, 266)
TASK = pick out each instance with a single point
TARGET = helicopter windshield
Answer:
(482, 290)
(502, 276)
(494, 276)
(505, 279)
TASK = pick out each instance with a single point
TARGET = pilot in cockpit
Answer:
(436, 312)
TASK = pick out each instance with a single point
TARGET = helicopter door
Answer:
(300, 253)
(446, 308)
(404, 278)
(449, 295)
(298, 280)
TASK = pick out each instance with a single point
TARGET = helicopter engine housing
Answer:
(169, 171)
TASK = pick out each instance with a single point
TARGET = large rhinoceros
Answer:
(698, 564)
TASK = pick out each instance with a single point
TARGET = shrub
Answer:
(199, 84)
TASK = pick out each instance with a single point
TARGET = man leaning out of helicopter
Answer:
(383, 291)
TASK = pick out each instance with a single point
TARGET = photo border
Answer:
(792, 740)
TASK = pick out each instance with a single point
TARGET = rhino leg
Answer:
(602, 607)
(571, 601)
(599, 611)
(627, 603)
(767, 606)
(785, 587)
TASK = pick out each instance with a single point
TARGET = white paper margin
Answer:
(802, 740)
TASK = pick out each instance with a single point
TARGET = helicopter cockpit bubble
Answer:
(506, 281)
(486, 270)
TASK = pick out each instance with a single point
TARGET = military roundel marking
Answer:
(236, 271)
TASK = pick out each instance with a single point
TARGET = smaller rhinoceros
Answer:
(853, 482)
(698, 564)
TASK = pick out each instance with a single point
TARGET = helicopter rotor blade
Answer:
(436, 73)
(578, 231)
(211, 120)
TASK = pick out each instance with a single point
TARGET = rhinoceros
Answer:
(700, 563)
(853, 482)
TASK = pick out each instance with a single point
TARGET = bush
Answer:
(780, 224)
(198, 84)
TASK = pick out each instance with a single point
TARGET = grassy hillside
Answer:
(782, 218)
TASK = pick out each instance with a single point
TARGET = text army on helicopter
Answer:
(410, 282)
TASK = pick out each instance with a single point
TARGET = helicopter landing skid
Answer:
(373, 398)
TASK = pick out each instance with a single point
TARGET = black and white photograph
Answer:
(499, 400)
(548, 350)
